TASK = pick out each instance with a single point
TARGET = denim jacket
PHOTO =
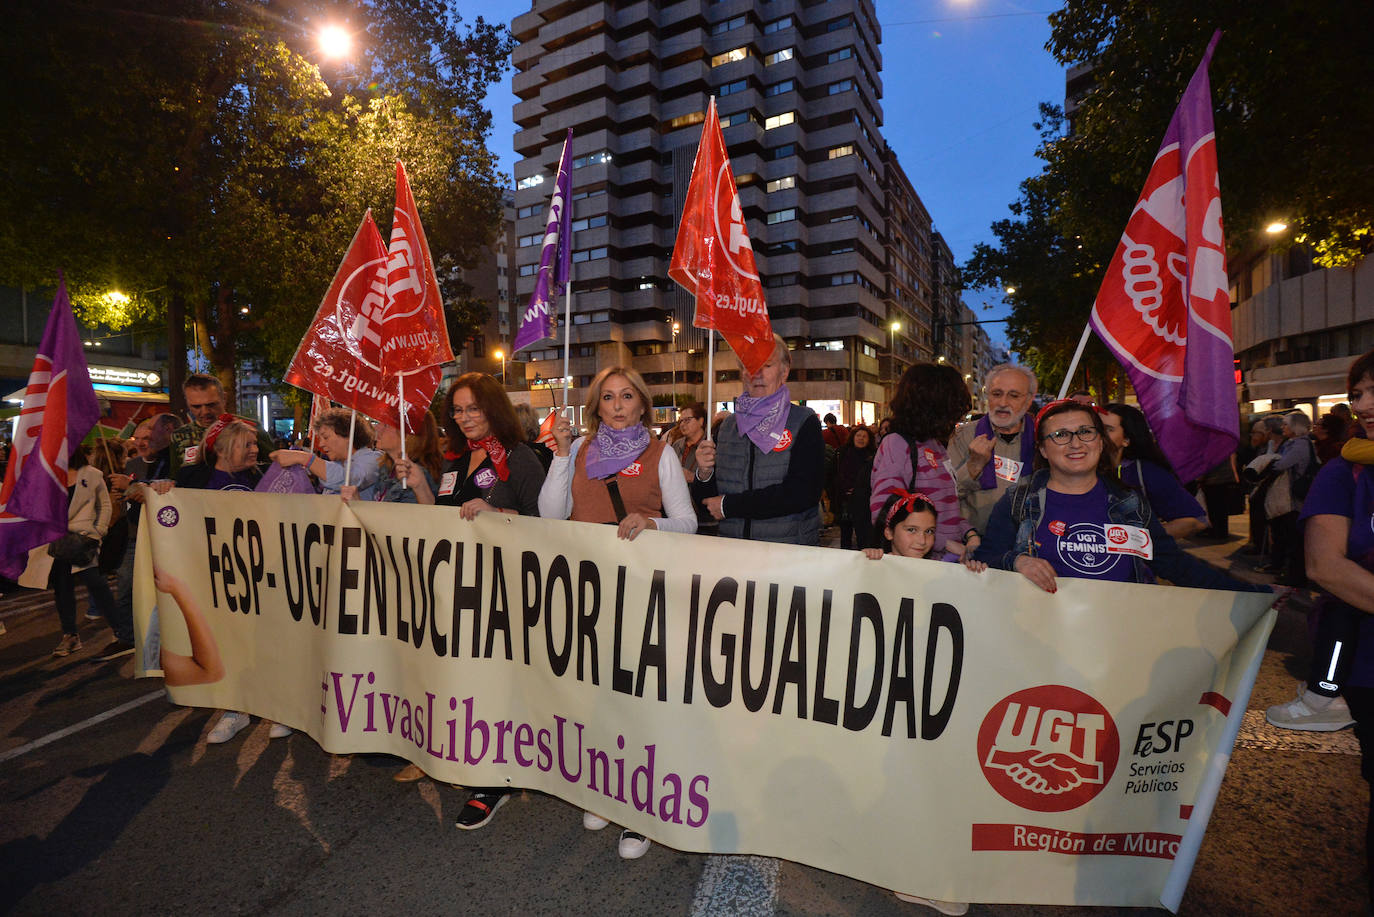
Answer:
(1017, 515)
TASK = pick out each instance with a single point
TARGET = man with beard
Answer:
(992, 454)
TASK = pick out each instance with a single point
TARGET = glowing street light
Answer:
(676, 329)
(1276, 227)
(335, 41)
(1011, 290)
(501, 355)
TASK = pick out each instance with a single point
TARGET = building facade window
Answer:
(779, 56)
(729, 57)
(778, 89)
(782, 216)
(777, 25)
(781, 120)
(781, 184)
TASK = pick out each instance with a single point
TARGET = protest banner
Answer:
(909, 723)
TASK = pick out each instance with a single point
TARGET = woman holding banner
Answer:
(489, 469)
(228, 460)
(1073, 517)
(410, 479)
(617, 474)
(332, 437)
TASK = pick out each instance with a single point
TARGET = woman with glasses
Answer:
(490, 468)
(1056, 522)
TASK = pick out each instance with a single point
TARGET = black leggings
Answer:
(1361, 701)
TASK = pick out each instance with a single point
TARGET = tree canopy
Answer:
(1294, 113)
(203, 155)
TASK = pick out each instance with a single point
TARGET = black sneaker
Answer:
(480, 809)
(115, 650)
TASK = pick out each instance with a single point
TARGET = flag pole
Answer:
(348, 463)
(401, 393)
(710, 381)
(567, 336)
(1073, 364)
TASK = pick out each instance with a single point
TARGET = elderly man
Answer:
(205, 403)
(154, 447)
(991, 455)
(762, 477)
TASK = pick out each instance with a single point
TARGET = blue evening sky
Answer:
(962, 80)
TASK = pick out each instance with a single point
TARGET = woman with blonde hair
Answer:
(617, 474)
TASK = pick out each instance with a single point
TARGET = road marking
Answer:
(77, 727)
(737, 885)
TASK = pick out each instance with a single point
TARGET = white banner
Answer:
(908, 723)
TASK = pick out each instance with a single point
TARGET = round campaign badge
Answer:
(1050, 748)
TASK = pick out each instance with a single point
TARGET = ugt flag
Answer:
(1163, 308)
(59, 410)
(414, 334)
(538, 322)
(713, 258)
(340, 356)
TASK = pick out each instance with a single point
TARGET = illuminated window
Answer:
(786, 117)
(530, 182)
(838, 151)
(681, 121)
(778, 57)
(781, 184)
(730, 56)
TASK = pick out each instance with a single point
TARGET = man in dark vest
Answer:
(762, 477)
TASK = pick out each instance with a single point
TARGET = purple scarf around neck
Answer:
(611, 450)
(988, 479)
(764, 419)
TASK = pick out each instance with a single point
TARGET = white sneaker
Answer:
(278, 731)
(229, 725)
(953, 908)
(593, 822)
(633, 845)
(1311, 713)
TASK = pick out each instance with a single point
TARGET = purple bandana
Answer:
(612, 450)
(988, 479)
(764, 419)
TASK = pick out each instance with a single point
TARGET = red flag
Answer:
(713, 257)
(340, 356)
(546, 430)
(414, 334)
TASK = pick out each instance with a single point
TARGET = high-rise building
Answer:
(799, 96)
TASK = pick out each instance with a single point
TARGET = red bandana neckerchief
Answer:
(494, 450)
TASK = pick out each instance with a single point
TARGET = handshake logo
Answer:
(1049, 748)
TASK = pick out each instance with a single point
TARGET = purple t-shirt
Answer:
(1168, 498)
(1072, 536)
(223, 480)
(1339, 491)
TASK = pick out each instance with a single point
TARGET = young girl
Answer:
(909, 523)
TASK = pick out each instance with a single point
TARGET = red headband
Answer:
(219, 426)
(907, 501)
(1062, 401)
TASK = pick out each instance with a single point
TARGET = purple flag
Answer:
(1164, 308)
(59, 410)
(538, 322)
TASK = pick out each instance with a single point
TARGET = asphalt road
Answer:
(112, 803)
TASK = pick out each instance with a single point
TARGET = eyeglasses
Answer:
(1062, 437)
(471, 410)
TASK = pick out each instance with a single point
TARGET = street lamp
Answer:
(501, 355)
(335, 41)
(676, 329)
(892, 330)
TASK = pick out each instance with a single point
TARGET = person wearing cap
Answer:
(1056, 521)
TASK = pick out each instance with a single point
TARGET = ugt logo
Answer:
(1049, 748)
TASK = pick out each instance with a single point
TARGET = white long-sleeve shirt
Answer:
(555, 497)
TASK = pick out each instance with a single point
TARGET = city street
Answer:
(113, 803)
